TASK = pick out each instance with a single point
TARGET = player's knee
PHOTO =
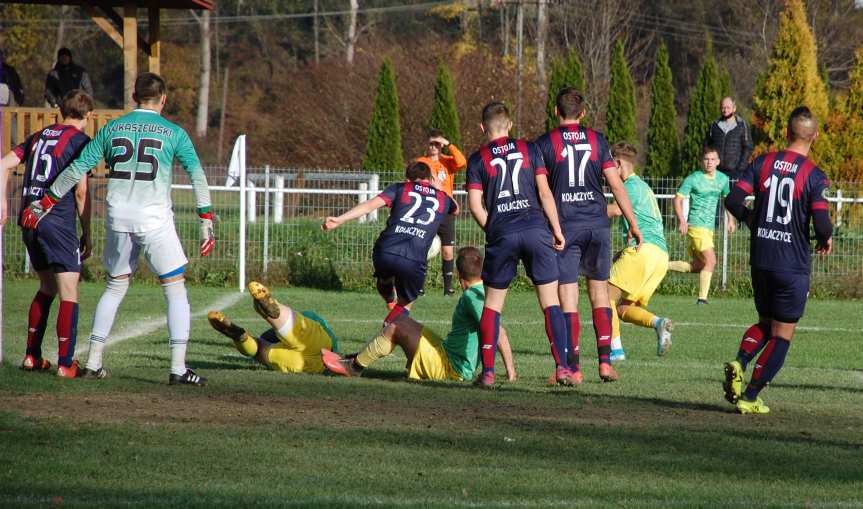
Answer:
(117, 285)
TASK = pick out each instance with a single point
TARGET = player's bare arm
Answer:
(8, 162)
(731, 222)
(331, 223)
(82, 203)
(682, 225)
(615, 183)
(546, 199)
(613, 211)
(476, 206)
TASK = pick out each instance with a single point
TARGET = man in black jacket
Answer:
(731, 135)
(65, 76)
(11, 91)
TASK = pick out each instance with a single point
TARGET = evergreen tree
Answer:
(565, 72)
(384, 148)
(843, 158)
(662, 140)
(621, 100)
(444, 112)
(703, 110)
(725, 89)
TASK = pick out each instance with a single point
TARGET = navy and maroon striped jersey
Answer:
(416, 211)
(788, 187)
(575, 158)
(45, 154)
(505, 171)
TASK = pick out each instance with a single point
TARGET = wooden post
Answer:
(130, 52)
(155, 44)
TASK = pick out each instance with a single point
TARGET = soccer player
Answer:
(400, 253)
(789, 193)
(428, 356)
(54, 248)
(444, 168)
(139, 149)
(637, 271)
(294, 341)
(510, 199)
(576, 159)
(703, 188)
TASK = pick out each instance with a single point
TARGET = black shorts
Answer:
(533, 247)
(780, 296)
(587, 251)
(52, 247)
(446, 231)
(408, 275)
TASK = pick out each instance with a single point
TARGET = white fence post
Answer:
(838, 207)
(279, 200)
(266, 217)
(363, 196)
(251, 202)
(242, 240)
(374, 189)
(724, 223)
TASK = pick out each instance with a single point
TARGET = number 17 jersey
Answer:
(416, 211)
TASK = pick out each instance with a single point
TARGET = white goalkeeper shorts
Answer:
(161, 249)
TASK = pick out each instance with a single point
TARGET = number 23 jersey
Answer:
(416, 211)
(787, 188)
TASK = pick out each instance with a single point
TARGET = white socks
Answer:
(103, 320)
(179, 319)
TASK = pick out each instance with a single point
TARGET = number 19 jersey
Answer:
(416, 211)
(505, 171)
(787, 188)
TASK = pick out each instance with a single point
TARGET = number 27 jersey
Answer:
(416, 211)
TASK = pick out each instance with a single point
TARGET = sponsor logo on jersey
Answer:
(51, 133)
(575, 197)
(574, 136)
(411, 230)
(503, 149)
(785, 167)
(513, 205)
(769, 234)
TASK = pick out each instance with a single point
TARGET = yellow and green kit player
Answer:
(703, 188)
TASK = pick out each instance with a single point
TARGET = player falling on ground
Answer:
(428, 356)
(577, 158)
(789, 191)
(54, 248)
(637, 271)
(702, 188)
(401, 251)
(292, 344)
(510, 199)
(444, 168)
(139, 149)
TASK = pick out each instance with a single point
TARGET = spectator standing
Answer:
(11, 91)
(730, 134)
(65, 76)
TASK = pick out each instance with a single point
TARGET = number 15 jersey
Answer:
(139, 149)
(787, 188)
(416, 211)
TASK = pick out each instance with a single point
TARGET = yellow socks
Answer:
(680, 266)
(377, 348)
(638, 316)
(247, 345)
(704, 284)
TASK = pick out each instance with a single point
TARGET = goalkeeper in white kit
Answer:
(139, 149)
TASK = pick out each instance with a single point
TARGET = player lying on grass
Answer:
(703, 188)
(429, 357)
(789, 192)
(293, 342)
(400, 253)
(637, 271)
(577, 161)
(54, 248)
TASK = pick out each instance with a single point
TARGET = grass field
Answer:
(661, 437)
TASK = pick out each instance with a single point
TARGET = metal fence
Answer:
(285, 207)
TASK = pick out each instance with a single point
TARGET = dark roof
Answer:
(162, 4)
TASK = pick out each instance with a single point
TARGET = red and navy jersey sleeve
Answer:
(605, 160)
(390, 194)
(818, 186)
(417, 209)
(21, 150)
(537, 163)
(746, 180)
(474, 175)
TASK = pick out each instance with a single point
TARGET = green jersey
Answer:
(139, 149)
(704, 192)
(646, 211)
(462, 342)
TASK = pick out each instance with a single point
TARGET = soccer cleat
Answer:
(187, 378)
(225, 326)
(733, 384)
(617, 355)
(265, 304)
(752, 407)
(607, 373)
(93, 374)
(449, 292)
(663, 329)
(485, 381)
(701, 302)
(68, 371)
(391, 305)
(31, 363)
(338, 365)
(575, 378)
(561, 376)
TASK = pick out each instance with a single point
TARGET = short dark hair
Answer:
(570, 103)
(624, 151)
(149, 87)
(76, 104)
(708, 149)
(418, 170)
(434, 133)
(64, 51)
(469, 263)
(802, 124)
(494, 112)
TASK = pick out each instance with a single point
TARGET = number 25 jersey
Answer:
(787, 188)
(416, 211)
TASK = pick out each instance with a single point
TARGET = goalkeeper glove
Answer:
(208, 240)
(36, 211)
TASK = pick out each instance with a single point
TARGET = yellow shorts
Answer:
(300, 350)
(700, 240)
(638, 273)
(431, 361)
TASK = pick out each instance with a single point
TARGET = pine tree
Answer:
(565, 72)
(444, 112)
(662, 140)
(791, 79)
(725, 88)
(621, 100)
(703, 110)
(384, 148)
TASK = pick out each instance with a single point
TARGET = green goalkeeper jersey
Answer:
(646, 211)
(703, 192)
(139, 149)
(462, 342)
